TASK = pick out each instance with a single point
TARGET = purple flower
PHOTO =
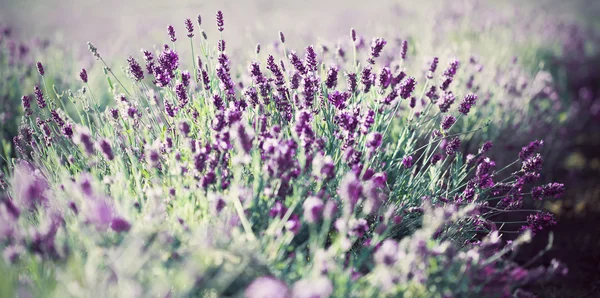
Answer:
(350, 190)
(376, 46)
(452, 146)
(528, 150)
(185, 78)
(407, 86)
(105, 148)
(351, 82)
(257, 49)
(538, 221)
(220, 21)
(374, 140)
(338, 99)
(448, 121)
(313, 207)
(404, 49)
(446, 102)
(311, 58)
(267, 287)
(332, 74)
(171, 32)
(433, 67)
(190, 27)
(467, 103)
(281, 37)
(533, 163)
(407, 162)
(486, 147)
(83, 75)
(366, 78)
(450, 72)
(85, 139)
(221, 45)
(181, 94)
(30, 187)
(293, 224)
(199, 18)
(358, 227)
(387, 253)
(134, 69)
(41, 102)
(26, 102)
(435, 158)
(40, 68)
(244, 138)
(353, 34)
(555, 190)
(119, 224)
(319, 287)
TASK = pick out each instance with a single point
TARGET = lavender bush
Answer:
(301, 173)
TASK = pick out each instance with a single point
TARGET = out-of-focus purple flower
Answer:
(41, 102)
(31, 188)
(40, 68)
(106, 149)
(323, 167)
(358, 227)
(244, 138)
(313, 207)
(281, 37)
(467, 103)
(433, 67)
(220, 21)
(350, 190)
(435, 158)
(387, 253)
(353, 34)
(84, 138)
(26, 102)
(404, 49)
(83, 75)
(199, 18)
(374, 140)
(448, 121)
(190, 27)
(407, 162)
(171, 32)
(257, 49)
(320, 287)
(293, 224)
(267, 287)
(119, 224)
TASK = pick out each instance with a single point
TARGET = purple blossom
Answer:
(433, 67)
(171, 32)
(338, 99)
(185, 78)
(467, 103)
(554, 190)
(181, 94)
(31, 188)
(448, 121)
(220, 21)
(332, 74)
(350, 190)
(119, 224)
(281, 37)
(41, 102)
(533, 163)
(40, 68)
(528, 150)
(387, 253)
(297, 63)
(83, 75)
(374, 140)
(450, 72)
(376, 47)
(407, 86)
(452, 146)
(538, 221)
(366, 79)
(351, 81)
(404, 49)
(105, 148)
(190, 26)
(311, 59)
(485, 147)
(26, 102)
(313, 207)
(447, 101)
(134, 69)
(407, 162)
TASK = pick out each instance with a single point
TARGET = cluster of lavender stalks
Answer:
(306, 176)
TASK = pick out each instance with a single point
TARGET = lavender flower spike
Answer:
(40, 68)
(190, 28)
(171, 32)
(83, 75)
(220, 21)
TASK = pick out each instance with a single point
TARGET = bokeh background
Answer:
(555, 35)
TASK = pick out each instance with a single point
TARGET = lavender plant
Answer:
(280, 181)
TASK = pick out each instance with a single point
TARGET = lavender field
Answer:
(279, 149)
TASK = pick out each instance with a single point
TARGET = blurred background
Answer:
(560, 37)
